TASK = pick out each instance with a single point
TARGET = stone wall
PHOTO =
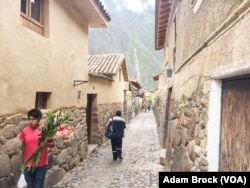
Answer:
(67, 153)
(159, 107)
(186, 137)
(106, 111)
(210, 46)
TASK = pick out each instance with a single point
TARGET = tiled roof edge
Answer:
(101, 76)
(104, 12)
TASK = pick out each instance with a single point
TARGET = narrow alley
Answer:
(139, 167)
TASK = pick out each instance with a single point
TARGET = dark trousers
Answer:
(35, 176)
(116, 144)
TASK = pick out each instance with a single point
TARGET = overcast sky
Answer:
(133, 5)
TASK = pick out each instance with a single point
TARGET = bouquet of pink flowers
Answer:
(64, 130)
(52, 124)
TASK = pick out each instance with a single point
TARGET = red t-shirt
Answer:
(31, 138)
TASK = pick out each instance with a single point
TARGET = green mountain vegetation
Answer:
(133, 35)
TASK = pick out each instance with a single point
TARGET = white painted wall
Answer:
(213, 125)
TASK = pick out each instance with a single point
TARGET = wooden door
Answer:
(235, 126)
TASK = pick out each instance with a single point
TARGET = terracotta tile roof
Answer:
(162, 14)
(107, 65)
(134, 85)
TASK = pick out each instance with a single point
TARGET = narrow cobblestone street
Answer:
(139, 167)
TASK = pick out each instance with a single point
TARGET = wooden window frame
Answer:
(28, 21)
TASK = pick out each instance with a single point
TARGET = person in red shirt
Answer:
(29, 136)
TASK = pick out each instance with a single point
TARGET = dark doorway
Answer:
(88, 115)
(91, 119)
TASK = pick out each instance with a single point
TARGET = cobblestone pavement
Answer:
(139, 168)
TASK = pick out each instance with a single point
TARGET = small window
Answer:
(42, 99)
(31, 9)
(31, 12)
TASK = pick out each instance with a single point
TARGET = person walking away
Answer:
(118, 128)
(29, 136)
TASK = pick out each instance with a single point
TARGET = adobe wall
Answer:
(33, 63)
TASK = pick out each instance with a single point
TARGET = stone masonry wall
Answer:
(106, 111)
(186, 140)
(67, 153)
(159, 108)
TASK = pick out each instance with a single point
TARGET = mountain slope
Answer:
(133, 35)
